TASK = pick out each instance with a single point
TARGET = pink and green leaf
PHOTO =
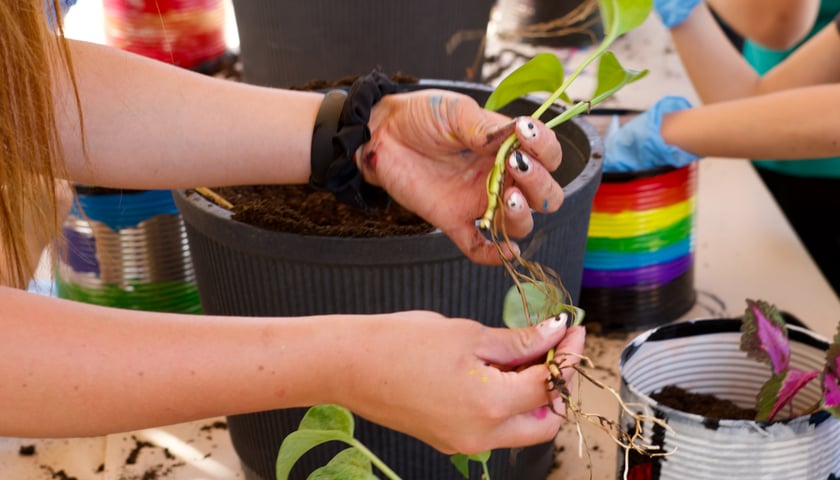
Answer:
(764, 335)
(831, 377)
(779, 391)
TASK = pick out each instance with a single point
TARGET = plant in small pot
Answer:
(708, 381)
(242, 269)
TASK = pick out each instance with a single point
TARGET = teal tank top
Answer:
(763, 59)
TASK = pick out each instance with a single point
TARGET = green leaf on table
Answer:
(543, 73)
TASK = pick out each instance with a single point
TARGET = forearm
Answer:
(775, 24)
(73, 369)
(793, 124)
(151, 125)
(715, 67)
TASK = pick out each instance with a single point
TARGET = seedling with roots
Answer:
(537, 293)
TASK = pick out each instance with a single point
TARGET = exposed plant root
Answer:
(214, 197)
(579, 20)
(551, 286)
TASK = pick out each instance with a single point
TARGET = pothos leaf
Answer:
(779, 391)
(542, 301)
(831, 376)
(538, 302)
(348, 464)
(462, 461)
(612, 76)
(621, 16)
(543, 73)
(764, 335)
(320, 424)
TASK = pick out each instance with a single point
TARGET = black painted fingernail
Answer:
(519, 161)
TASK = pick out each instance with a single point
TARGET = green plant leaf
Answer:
(542, 301)
(621, 16)
(462, 461)
(538, 304)
(320, 424)
(348, 464)
(328, 417)
(612, 76)
(543, 73)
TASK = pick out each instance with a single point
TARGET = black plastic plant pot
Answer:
(289, 42)
(639, 263)
(244, 270)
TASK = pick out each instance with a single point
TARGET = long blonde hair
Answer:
(33, 52)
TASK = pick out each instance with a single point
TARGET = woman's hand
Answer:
(432, 151)
(455, 384)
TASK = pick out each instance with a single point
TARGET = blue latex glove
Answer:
(638, 145)
(674, 12)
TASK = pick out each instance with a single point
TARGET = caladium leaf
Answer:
(831, 377)
(764, 335)
(543, 73)
(779, 391)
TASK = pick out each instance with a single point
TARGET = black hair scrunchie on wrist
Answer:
(337, 136)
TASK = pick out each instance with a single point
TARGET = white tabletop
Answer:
(745, 249)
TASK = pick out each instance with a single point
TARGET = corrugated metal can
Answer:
(127, 249)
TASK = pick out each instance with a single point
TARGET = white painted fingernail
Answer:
(526, 127)
(519, 161)
(563, 320)
(515, 201)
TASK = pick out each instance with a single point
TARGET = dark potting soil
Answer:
(706, 405)
(303, 210)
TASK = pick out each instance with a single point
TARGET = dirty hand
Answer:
(638, 145)
(674, 12)
(432, 150)
(456, 384)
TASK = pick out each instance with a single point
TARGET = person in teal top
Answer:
(787, 107)
(764, 58)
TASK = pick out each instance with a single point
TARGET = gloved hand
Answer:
(674, 12)
(638, 145)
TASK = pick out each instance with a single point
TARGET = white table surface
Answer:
(745, 249)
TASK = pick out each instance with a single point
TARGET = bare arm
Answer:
(718, 72)
(75, 369)
(792, 124)
(775, 24)
(150, 125)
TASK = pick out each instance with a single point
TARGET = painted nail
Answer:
(515, 201)
(555, 322)
(519, 161)
(526, 128)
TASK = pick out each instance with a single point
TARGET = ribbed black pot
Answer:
(244, 270)
(290, 42)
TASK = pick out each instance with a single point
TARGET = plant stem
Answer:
(379, 464)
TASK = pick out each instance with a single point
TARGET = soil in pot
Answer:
(303, 210)
(709, 406)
